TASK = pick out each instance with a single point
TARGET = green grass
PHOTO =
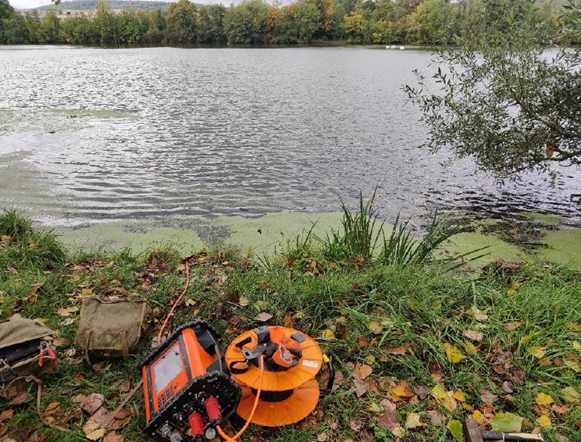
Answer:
(373, 312)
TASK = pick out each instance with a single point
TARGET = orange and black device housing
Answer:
(187, 385)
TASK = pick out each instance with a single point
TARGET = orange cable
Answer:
(241, 432)
(175, 303)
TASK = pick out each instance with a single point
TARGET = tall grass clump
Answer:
(22, 245)
(363, 238)
(359, 236)
(13, 224)
(400, 248)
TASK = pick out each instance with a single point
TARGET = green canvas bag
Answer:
(113, 327)
(25, 355)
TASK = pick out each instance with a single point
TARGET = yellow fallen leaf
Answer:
(455, 428)
(479, 417)
(412, 421)
(398, 431)
(328, 334)
(243, 301)
(370, 360)
(470, 348)
(511, 292)
(454, 355)
(459, 396)
(577, 345)
(96, 435)
(544, 421)
(375, 327)
(537, 352)
(516, 285)
(571, 395)
(439, 392)
(573, 327)
(86, 292)
(544, 399)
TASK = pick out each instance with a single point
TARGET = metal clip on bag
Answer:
(25, 355)
(113, 328)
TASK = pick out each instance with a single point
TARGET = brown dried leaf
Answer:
(92, 403)
(473, 335)
(263, 317)
(362, 371)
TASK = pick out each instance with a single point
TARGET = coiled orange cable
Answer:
(243, 429)
(220, 431)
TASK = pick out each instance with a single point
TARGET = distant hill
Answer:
(86, 5)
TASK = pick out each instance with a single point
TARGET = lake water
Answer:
(91, 135)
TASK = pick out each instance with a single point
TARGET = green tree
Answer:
(211, 24)
(502, 99)
(436, 22)
(181, 22)
(131, 28)
(247, 23)
(105, 25)
(49, 31)
(298, 23)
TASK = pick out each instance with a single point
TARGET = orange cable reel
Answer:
(266, 377)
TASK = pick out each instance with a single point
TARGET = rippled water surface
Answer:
(92, 134)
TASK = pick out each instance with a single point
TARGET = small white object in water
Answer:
(402, 48)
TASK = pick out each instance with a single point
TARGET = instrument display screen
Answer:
(167, 368)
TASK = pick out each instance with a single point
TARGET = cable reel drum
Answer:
(291, 361)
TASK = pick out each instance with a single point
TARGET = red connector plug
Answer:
(197, 426)
(213, 410)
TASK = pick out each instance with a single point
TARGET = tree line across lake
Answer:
(256, 22)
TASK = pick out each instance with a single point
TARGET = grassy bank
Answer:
(415, 340)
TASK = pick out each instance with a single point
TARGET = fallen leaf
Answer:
(375, 327)
(360, 387)
(322, 437)
(92, 403)
(362, 371)
(389, 419)
(436, 419)
(479, 417)
(570, 395)
(511, 326)
(459, 396)
(112, 437)
(96, 435)
(507, 423)
(511, 292)
(263, 317)
(6, 414)
(328, 334)
(454, 355)
(455, 428)
(439, 392)
(61, 342)
(537, 352)
(473, 335)
(401, 390)
(487, 397)
(544, 421)
(544, 399)
(560, 409)
(243, 301)
(412, 421)
(20, 398)
(577, 345)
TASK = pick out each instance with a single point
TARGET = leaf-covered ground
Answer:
(417, 350)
